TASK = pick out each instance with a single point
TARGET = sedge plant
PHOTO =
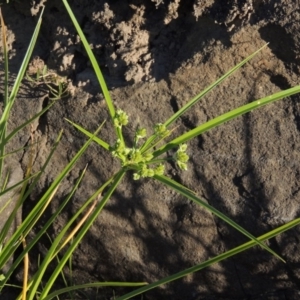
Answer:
(145, 159)
(148, 155)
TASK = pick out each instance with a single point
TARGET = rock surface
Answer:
(155, 57)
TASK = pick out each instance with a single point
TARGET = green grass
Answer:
(145, 159)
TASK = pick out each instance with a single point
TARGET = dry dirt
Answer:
(156, 55)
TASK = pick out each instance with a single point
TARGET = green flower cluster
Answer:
(120, 118)
(130, 156)
(139, 161)
(140, 134)
(145, 171)
(181, 157)
(161, 130)
(133, 158)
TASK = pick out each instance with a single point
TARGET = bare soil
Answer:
(155, 56)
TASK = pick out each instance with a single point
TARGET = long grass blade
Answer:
(183, 191)
(198, 97)
(213, 260)
(87, 133)
(209, 88)
(17, 184)
(93, 285)
(11, 98)
(5, 55)
(26, 271)
(92, 60)
(17, 129)
(226, 117)
(25, 61)
(17, 150)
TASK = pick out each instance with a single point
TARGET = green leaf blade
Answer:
(226, 117)
(90, 135)
(212, 261)
(93, 61)
(209, 88)
(93, 285)
(185, 192)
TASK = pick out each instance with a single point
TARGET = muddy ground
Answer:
(155, 56)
